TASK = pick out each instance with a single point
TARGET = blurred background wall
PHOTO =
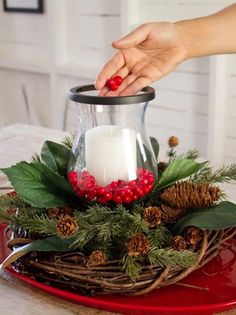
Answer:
(43, 55)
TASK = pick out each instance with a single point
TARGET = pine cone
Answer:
(137, 245)
(67, 226)
(152, 215)
(58, 212)
(169, 214)
(97, 257)
(173, 141)
(192, 196)
(179, 243)
(161, 166)
(193, 235)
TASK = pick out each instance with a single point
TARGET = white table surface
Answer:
(18, 142)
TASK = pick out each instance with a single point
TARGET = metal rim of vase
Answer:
(75, 94)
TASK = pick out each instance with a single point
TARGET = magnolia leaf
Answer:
(177, 170)
(218, 217)
(39, 185)
(56, 156)
(50, 244)
(155, 146)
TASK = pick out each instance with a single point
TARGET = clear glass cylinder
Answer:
(114, 161)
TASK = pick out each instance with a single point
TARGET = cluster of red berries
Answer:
(113, 83)
(120, 191)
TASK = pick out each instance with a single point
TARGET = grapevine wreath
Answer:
(76, 243)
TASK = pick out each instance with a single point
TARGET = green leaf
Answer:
(50, 244)
(39, 185)
(177, 170)
(219, 217)
(56, 156)
(155, 146)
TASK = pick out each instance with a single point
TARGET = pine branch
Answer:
(14, 201)
(172, 154)
(224, 174)
(68, 141)
(159, 237)
(190, 155)
(36, 158)
(138, 225)
(9, 205)
(35, 223)
(171, 258)
(131, 267)
(84, 236)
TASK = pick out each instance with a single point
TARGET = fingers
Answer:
(123, 73)
(126, 82)
(135, 86)
(134, 38)
(110, 68)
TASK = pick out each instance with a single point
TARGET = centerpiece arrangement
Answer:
(101, 215)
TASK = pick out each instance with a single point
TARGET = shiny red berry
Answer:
(133, 183)
(108, 196)
(91, 195)
(126, 199)
(112, 85)
(101, 191)
(102, 200)
(118, 80)
(117, 199)
(121, 183)
(73, 178)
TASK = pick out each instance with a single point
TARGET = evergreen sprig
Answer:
(131, 267)
(224, 174)
(36, 223)
(68, 141)
(171, 258)
(190, 155)
(9, 204)
(36, 158)
(159, 237)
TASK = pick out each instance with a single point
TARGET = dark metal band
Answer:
(76, 96)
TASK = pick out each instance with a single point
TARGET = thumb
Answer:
(134, 38)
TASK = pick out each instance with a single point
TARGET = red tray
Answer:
(219, 276)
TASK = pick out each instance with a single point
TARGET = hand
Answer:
(144, 56)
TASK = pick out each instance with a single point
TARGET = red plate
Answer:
(219, 276)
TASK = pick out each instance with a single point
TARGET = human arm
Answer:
(154, 49)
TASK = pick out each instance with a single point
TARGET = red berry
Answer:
(111, 83)
(87, 185)
(84, 174)
(102, 200)
(139, 192)
(121, 183)
(132, 183)
(108, 196)
(117, 199)
(146, 190)
(126, 199)
(118, 80)
(91, 195)
(73, 178)
(151, 179)
(80, 192)
(135, 197)
(121, 193)
(101, 191)
(113, 184)
(144, 181)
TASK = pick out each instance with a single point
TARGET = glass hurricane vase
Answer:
(114, 161)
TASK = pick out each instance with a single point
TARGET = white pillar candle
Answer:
(110, 153)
